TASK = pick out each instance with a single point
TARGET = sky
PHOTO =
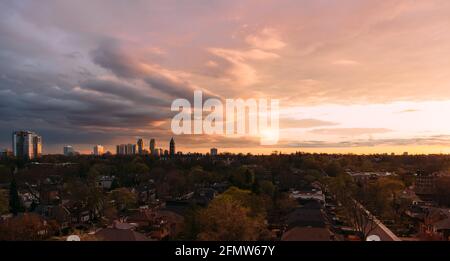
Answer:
(352, 76)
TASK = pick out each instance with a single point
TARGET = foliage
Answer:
(28, 226)
(242, 178)
(226, 219)
(5, 174)
(123, 199)
(255, 204)
(360, 219)
(4, 202)
(267, 188)
(443, 191)
(346, 191)
(334, 169)
(15, 204)
(192, 225)
(258, 186)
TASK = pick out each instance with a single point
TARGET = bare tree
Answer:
(360, 218)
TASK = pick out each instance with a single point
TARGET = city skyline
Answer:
(351, 76)
(146, 148)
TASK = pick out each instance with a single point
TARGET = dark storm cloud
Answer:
(107, 70)
(170, 87)
(112, 55)
(75, 117)
(125, 91)
(62, 94)
(61, 110)
(75, 86)
(109, 55)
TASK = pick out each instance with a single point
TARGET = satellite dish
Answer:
(373, 238)
(73, 238)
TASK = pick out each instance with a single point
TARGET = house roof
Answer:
(307, 234)
(306, 217)
(145, 216)
(121, 225)
(170, 216)
(178, 207)
(441, 218)
(443, 224)
(151, 215)
(60, 213)
(114, 234)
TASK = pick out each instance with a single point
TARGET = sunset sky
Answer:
(352, 76)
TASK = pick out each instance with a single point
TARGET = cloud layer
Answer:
(102, 71)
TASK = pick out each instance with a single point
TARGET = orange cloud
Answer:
(267, 39)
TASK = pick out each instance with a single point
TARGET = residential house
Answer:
(203, 196)
(307, 234)
(105, 182)
(436, 224)
(157, 223)
(120, 232)
(307, 195)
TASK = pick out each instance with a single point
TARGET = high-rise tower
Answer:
(140, 146)
(26, 144)
(172, 148)
(152, 146)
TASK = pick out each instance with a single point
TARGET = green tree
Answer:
(242, 178)
(226, 219)
(334, 169)
(5, 174)
(254, 203)
(380, 196)
(282, 205)
(266, 187)
(342, 186)
(28, 226)
(124, 199)
(443, 191)
(115, 184)
(4, 208)
(98, 170)
(95, 200)
(15, 205)
(192, 226)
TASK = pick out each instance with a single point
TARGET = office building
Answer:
(37, 146)
(120, 149)
(152, 146)
(126, 149)
(6, 154)
(172, 147)
(131, 149)
(99, 150)
(68, 150)
(26, 144)
(140, 146)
